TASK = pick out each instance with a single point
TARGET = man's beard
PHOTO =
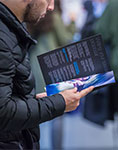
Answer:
(28, 17)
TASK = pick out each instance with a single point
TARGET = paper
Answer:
(80, 64)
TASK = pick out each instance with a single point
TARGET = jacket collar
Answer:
(11, 20)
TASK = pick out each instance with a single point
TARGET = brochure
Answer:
(80, 64)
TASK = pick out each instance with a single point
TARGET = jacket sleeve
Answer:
(15, 113)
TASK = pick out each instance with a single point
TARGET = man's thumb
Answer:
(74, 89)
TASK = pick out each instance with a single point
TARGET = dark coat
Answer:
(20, 111)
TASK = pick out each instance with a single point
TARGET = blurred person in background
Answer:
(102, 104)
(94, 9)
(21, 109)
(90, 19)
(97, 107)
(107, 25)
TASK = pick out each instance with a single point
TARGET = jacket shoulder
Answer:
(7, 36)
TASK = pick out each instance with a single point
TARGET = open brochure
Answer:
(80, 64)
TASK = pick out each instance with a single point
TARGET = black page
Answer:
(79, 59)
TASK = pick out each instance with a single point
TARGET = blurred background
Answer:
(94, 125)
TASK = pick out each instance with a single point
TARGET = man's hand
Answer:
(72, 97)
(40, 95)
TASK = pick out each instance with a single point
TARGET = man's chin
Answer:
(37, 21)
(33, 21)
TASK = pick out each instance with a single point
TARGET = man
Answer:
(20, 111)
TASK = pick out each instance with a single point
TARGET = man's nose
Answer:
(51, 6)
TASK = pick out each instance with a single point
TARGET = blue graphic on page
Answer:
(96, 80)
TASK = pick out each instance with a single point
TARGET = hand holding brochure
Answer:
(79, 64)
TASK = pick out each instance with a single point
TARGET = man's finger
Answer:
(40, 95)
(74, 89)
(85, 91)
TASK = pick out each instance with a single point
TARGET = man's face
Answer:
(37, 9)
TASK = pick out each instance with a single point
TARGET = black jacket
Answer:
(20, 111)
